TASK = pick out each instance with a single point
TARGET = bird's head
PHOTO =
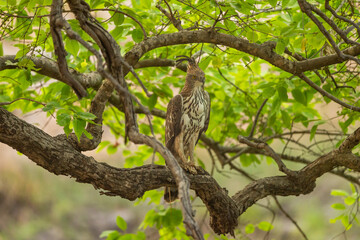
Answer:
(194, 73)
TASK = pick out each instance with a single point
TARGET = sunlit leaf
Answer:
(265, 226)
(250, 228)
(79, 127)
(120, 222)
(338, 206)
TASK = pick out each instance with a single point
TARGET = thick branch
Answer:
(264, 51)
(55, 28)
(60, 157)
(49, 68)
(111, 52)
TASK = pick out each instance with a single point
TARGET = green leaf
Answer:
(265, 226)
(88, 135)
(346, 223)
(50, 106)
(65, 92)
(286, 118)
(273, 3)
(350, 200)
(79, 127)
(102, 145)
(285, 3)
(63, 119)
(268, 92)
(118, 19)
(4, 98)
(339, 192)
(313, 131)
(338, 206)
(85, 116)
(299, 96)
(120, 222)
(137, 35)
(27, 63)
(282, 92)
(216, 62)
(67, 130)
(280, 47)
(250, 228)
(252, 36)
(172, 218)
(114, 235)
(112, 149)
(106, 233)
(152, 101)
(204, 63)
(72, 46)
(155, 197)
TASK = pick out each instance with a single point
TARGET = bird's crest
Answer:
(192, 66)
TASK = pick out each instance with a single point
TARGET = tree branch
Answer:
(115, 62)
(59, 157)
(170, 15)
(263, 51)
(55, 27)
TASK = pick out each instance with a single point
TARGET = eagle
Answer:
(187, 117)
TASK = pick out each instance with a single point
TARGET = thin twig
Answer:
(289, 217)
(326, 94)
(126, 14)
(170, 16)
(271, 152)
(244, 92)
(22, 98)
(256, 119)
(308, 8)
(333, 12)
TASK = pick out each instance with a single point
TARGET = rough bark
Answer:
(60, 157)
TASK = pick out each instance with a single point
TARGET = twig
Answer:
(170, 16)
(289, 217)
(245, 174)
(242, 151)
(22, 98)
(332, 24)
(326, 94)
(271, 152)
(244, 92)
(333, 12)
(301, 58)
(105, 74)
(327, 71)
(256, 119)
(55, 25)
(307, 8)
(126, 14)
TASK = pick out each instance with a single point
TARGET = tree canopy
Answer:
(271, 68)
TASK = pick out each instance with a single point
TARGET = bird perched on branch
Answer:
(187, 117)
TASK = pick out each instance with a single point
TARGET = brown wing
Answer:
(173, 119)
(207, 116)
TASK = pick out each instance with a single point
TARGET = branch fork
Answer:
(263, 145)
